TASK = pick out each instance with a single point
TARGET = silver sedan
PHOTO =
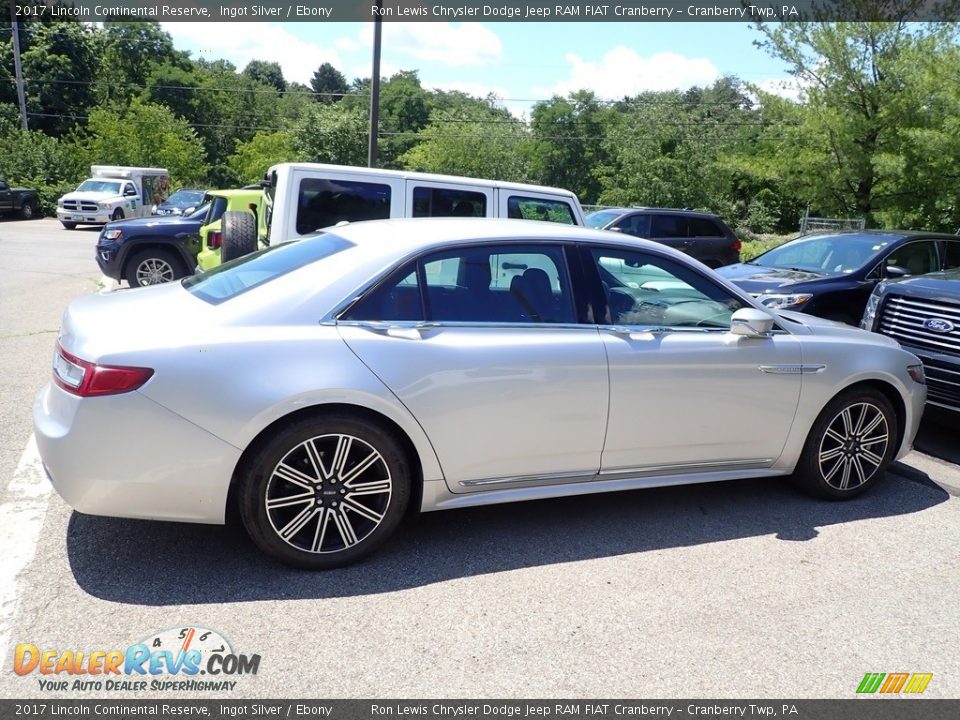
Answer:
(326, 388)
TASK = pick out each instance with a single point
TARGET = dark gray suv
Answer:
(701, 235)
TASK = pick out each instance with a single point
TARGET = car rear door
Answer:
(509, 387)
(686, 395)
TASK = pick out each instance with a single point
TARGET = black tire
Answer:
(153, 266)
(324, 528)
(239, 231)
(28, 210)
(842, 456)
(117, 215)
(69, 225)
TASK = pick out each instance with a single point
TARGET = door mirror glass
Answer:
(751, 322)
(895, 271)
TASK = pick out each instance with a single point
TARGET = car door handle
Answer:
(634, 333)
(412, 331)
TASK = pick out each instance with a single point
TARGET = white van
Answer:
(299, 198)
(113, 193)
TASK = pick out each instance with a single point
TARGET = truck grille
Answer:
(81, 206)
(902, 319)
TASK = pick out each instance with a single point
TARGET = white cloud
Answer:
(447, 43)
(242, 42)
(786, 87)
(364, 70)
(622, 72)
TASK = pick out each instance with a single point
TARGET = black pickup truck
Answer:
(22, 201)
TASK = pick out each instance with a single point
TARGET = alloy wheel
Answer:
(154, 271)
(328, 493)
(853, 446)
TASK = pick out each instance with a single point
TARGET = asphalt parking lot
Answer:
(743, 589)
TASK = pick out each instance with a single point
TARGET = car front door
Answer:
(482, 345)
(686, 395)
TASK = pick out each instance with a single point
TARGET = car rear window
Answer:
(245, 273)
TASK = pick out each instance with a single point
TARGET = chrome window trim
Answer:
(466, 324)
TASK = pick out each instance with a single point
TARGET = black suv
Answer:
(922, 313)
(151, 250)
(701, 235)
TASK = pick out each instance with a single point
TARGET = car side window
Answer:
(529, 208)
(703, 227)
(917, 258)
(669, 226)
(323, 202)
(636, 225)
(129, 190)
(448, 202)
(484, 284)
(648, 290)
(951, 254)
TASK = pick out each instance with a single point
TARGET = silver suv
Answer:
(701, 235)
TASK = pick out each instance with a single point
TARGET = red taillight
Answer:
(86, 379)
(736, 245)
(214, 239)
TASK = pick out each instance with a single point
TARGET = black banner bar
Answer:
(750, 11)
(872, 708)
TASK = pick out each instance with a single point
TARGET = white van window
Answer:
(447, 202)
(529, 208)
(323, 202)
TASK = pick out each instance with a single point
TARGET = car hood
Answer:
(945, 283)
(757, 279)
(160, 316)
(813, 325)
(151, 221)
(92, 196)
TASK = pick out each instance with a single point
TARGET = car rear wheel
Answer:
(27, 210)
(325, 492)
(239, 235)
(850, 445)
(153, 267)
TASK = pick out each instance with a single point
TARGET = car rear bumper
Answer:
(126, 456)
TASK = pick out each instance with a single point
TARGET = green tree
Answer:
(267, 73)
(144, 134)
(252, 158)
(328, 83)
(862, 114)
(332, 134)
(472, 142)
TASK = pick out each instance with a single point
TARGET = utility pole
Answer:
(375, 90)
(17, 68)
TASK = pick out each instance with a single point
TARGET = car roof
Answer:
(427, 177)
(401, 235)
(893, 234)
(672, 211)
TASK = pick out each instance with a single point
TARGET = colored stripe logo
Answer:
(894, 683)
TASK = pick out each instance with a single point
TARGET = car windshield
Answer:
(245, 273)
(829, 254)
(602, 218)
(99, 186)
(185, 198)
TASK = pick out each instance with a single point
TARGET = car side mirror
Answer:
(751, 322)
(3, 184)
(189, 210)
(896, 271)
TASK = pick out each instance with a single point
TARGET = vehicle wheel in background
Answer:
(239, 235)
(117, 214)
(69, 225)
(324, 492)
(28, 210)
(153, 267)
(849, 446)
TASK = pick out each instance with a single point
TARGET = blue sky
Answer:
(519, 62)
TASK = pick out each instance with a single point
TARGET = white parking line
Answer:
(22, 513)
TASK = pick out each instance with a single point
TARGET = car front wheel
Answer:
(850, 445)
(325, 492)
(153, 267)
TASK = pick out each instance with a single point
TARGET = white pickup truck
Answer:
(113, 193)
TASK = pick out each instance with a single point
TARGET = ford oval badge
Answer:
(938, 325)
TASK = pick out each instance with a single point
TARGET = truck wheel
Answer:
(239, 235)
(117, 214)
(153, 266)
(69, 225)
(27, 210)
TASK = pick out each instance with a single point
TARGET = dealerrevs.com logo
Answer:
(184, 659)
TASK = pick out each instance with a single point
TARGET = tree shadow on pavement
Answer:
(157, 563)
